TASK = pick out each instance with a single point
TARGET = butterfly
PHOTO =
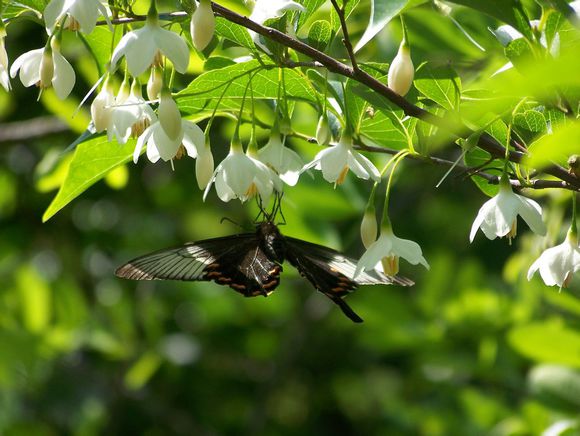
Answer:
(251, 263)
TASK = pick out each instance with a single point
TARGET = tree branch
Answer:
(340, 11)
(486, 142)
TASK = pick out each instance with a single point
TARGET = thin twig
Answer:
(340, 11)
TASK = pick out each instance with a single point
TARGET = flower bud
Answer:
(124, 92)
(368, 228)
(204, 166)
(323, 133)
(102, 106)
(401, 71)
(202, 25)
(154, 84)
(46, 69)
(4, 79)
(574, 165)
(169, 115)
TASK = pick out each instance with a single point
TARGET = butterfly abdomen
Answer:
(271, 241)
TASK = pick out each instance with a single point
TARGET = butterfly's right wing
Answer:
(236, 261)
(332, 273)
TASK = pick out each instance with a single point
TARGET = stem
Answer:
(573, 228)
(396, 163)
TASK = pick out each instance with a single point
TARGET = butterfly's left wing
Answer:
(236, 261)
(331, 272)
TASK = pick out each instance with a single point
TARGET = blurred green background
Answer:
(473, 348)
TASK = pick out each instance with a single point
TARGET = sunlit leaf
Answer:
(91, 162)
(557, 386)
(555, 148)
(440, 84)
(382, 11)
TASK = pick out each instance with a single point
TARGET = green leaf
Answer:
(478, 158)
(35, 299)
(531, 120)
(91, 162)
(503, 10)
(100, 41)
(554, 22)
(519, 52)
(233, 32)
(382, 11)
(232, 83)
(319, 34)
(382, 130)
(440, 84)
(557, 386)
(547, 341)
(311, 7)
(555, 148)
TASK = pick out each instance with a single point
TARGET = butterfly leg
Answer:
(346, 309)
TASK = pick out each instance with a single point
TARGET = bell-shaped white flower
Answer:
(202, 25)
(159, 145)
(284, 161)
(401, 71)
(82, 14)
(4, 78)
(45, 67)
(385, 252)
(498, 216)
(102, 107)
(142, 47)
(335, 161)
(558, 264)
(129, 116)
(242, 176)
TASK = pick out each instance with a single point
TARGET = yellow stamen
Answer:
(180, 152)
(342, 175)
(390, 265)
(252, 190)
(72, 24)
(157, 60)
(513, 231)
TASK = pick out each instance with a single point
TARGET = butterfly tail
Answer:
(346, 309)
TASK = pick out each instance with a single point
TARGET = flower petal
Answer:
(531, 212)
(409, 250)
(485, 209)
(362, 166)
(173, 47)
(53, 11)
(63, 79)
(29, 66)
(372, 256)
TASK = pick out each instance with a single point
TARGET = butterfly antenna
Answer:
(231, 221)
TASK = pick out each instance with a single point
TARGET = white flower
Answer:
(102, 107)
(4, 79)
(141, 48)
(284, 161)
(45, 67)
(386, 251)
(202, 25)
(129, 116)
(159, 145)
(498, 216)
(559, 263)
(241, 176)
(335, 161)
(401, 71)
(83, 14)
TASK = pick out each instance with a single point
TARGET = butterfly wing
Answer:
(332, 273)
(237, 261)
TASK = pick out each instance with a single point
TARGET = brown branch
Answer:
(486, 142)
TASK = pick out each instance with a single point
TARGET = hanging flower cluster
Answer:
(164, 135)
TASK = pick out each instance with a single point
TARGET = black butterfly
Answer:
(250, 263)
